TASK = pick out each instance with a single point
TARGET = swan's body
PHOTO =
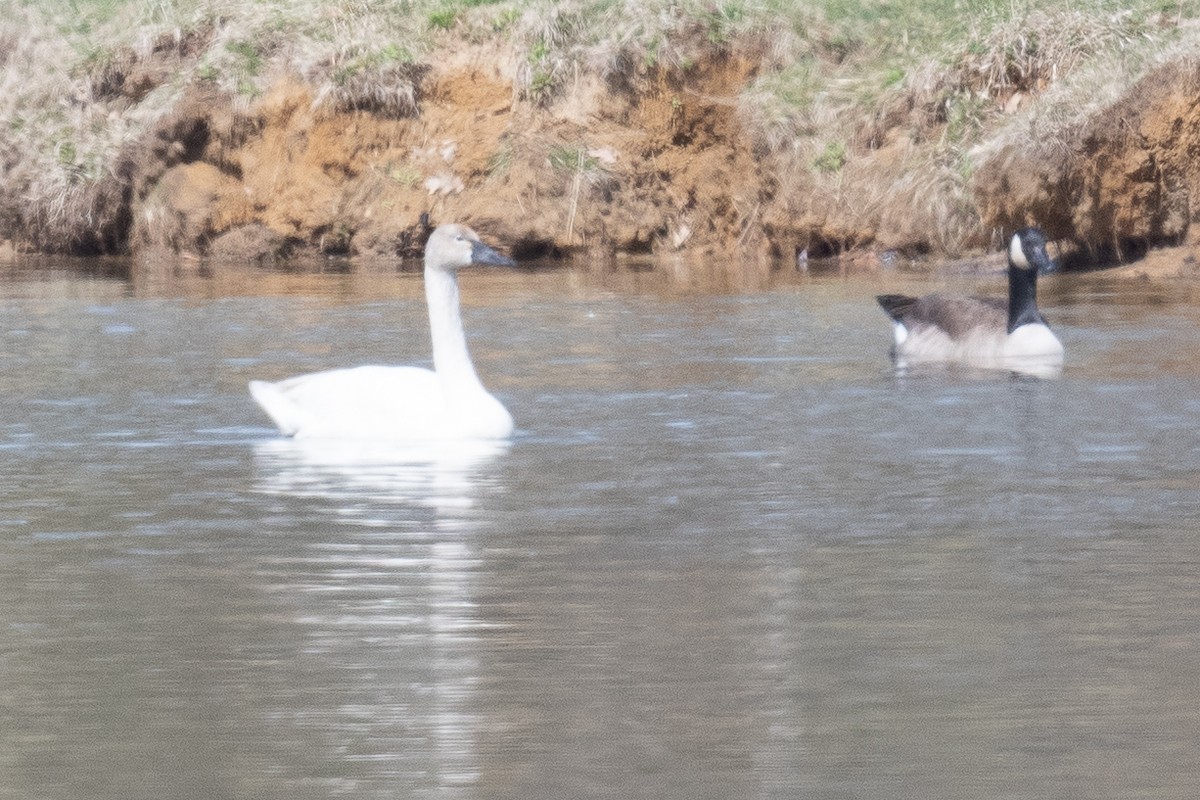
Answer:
(402, 403)
(981, 331)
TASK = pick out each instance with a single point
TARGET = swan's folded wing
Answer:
(363, 401)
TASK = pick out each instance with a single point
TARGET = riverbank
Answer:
(561, 129)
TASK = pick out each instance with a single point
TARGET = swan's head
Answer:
(1027, 250)
(452, 246)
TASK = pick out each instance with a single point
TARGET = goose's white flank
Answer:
(403, 403)
(982, 331)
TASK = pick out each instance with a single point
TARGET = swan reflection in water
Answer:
(446, 475)
(378, 579)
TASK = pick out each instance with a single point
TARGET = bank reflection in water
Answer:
(379, 585)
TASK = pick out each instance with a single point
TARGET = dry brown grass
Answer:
(1030, 53)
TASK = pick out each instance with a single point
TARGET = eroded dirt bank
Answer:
(614, 169)
(1124, 181)
(663, 163)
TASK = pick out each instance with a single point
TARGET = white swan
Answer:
(403, 403)
(982, 331)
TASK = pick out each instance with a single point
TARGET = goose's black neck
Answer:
(1022, 298)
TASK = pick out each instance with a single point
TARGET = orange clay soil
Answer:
(611, 170)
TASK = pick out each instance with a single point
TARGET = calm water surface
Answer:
(729, 554)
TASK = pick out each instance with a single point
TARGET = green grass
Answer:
(443, 18)
(573, 159)
(832, 157)
(372, 60)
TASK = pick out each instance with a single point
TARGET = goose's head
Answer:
(452, 246)
(1027, 251)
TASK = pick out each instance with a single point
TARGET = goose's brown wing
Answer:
(954, 314)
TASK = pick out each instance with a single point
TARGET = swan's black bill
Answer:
(482, 254)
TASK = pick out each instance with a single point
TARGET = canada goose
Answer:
(403, 403)
(981, 331)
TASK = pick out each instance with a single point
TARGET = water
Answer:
(730, 552)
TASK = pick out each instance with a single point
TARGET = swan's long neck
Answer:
(451, 360)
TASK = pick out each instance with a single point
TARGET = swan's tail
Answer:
(286, 415)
